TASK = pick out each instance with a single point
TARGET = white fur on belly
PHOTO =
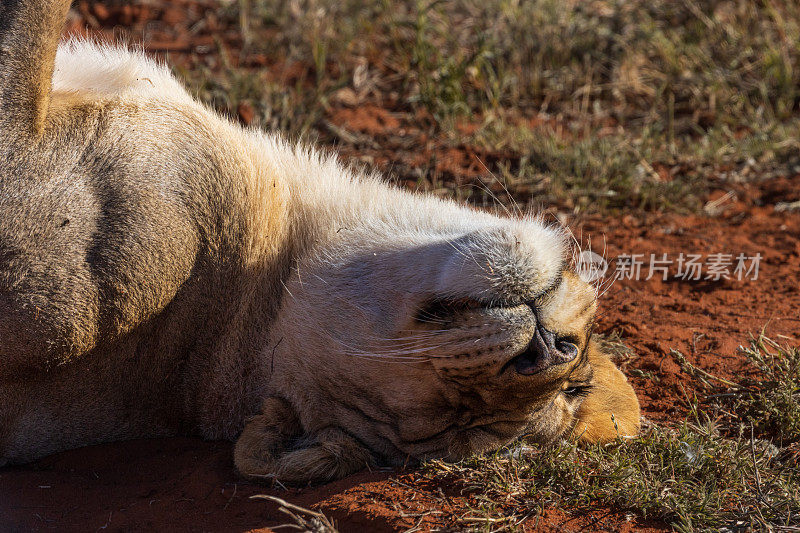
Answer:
(83, 65)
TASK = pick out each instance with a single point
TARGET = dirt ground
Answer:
(187, 484)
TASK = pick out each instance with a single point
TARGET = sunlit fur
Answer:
(164, 271)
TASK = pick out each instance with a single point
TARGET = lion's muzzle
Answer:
(543, 351)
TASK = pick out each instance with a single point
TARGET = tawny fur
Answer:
(164, 271)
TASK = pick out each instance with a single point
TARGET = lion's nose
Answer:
(544, 351)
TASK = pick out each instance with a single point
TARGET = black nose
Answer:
(544, 351)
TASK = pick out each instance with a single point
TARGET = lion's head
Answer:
(443, 343)
(407, 327)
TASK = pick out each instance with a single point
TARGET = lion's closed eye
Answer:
(439, 310)
(610, 409)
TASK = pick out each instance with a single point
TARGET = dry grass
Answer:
(591, 105)
(768, 402)
(302, 519)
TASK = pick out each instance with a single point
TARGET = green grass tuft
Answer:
(772, 402)
(689, 477)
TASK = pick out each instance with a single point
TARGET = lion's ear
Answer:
(611, 408)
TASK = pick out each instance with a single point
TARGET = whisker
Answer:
(384, 360)
(463, 253)
(390, 353)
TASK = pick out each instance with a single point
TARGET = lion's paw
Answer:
(272, 446)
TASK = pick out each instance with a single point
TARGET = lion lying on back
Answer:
(163, 271)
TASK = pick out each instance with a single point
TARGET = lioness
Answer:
(164, 271)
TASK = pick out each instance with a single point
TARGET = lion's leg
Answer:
(48, 301)
(29, 31)
(265, 437)
(331, 455)
(272, 445)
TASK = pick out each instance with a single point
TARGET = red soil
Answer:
(705, 320)
(187, 484)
